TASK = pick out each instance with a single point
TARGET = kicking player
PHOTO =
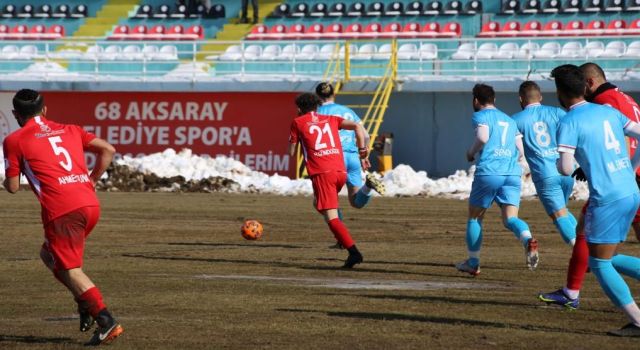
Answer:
(51, 156)
(318, 135)
(497, 178)
(538, 125)
(359, 193)
(601, 92)
(594, 135)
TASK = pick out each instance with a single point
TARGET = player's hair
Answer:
(308, 102)
(570, 80)
(529, 90)
(324, 90)
(484, 94)
(28, 103)
(593, 70)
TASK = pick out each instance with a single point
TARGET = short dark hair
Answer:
(592, 70)
(570, 80)
(28, 103)
(308, 102)
(527, 87)
(324, 90)
(484, 94)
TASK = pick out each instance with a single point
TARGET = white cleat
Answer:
(531, 254)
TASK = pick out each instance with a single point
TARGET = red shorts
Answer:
(65, 236)
(326, 187)
(636, 218)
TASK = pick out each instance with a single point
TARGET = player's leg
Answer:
(508, 197)
(554, 193)
(360, 193)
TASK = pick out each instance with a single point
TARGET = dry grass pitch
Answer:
(177, 274)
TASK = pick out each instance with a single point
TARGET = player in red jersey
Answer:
(318, 135)
(599, 91)
(51, 156)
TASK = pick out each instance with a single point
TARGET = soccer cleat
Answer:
(104, 336)
(531, 254)
(336, 246)
(559, 298)
(373, 183)
(352, 260)
(629, 330)
(86, 321)
(464, 266)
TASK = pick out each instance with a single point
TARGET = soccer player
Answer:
(51, 156)
(594, 136)
(601, 92)
(318, 135)
(538, 125)
(359, 193)
(497, 178)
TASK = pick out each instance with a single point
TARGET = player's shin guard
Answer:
(341, 233)
(578, 263)
(91, 300)
(519, 228)
(361, 199)
(611, 282)
(627, 265)
(567, 228)
(474, 241)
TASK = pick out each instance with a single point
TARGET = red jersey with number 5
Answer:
(51, 156)
(318, 135)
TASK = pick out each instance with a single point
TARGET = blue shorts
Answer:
(354, 169)
(500, 188)
(554, 192)
(609, 223)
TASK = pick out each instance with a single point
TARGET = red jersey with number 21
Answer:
(318, 135)
(51, 156)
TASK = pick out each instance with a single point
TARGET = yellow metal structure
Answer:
(341, 71)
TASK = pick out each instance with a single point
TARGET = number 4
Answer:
(610, 141)
(58, 150)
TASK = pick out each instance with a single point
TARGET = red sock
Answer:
(578, 263)
(91, 300)
(341, 233)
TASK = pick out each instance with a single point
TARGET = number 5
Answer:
(66, 165)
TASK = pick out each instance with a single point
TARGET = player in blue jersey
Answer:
(594, 136)
(497, 178)
(359, 192)
(538, 125)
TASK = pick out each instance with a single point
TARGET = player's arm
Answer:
(360, 136)
(482, 137)
(12, 184)
(520, 147)
(565, 163)
(633, 130)
(293, 139)
(292, 149)
(104, 152)
(12, 162)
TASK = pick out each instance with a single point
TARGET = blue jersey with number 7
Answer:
(499, 156)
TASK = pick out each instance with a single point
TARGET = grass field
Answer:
(176, 273)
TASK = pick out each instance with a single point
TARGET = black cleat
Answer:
(336, 246)
(629, 330)
(105, 335)
(86, 321)
(352, 260)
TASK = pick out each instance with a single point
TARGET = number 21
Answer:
(326, 130)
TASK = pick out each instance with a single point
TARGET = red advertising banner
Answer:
(250, 127)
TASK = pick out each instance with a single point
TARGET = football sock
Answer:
(91, 300)
(353, 250)
(104, 319)
(627, 265)
(361, 198)
(567, 228)
(474, 241)
(341, 233)
(611, 282)
(571, 293)
(578, 263)
(633, 312)
(365, 190)
(520, 229)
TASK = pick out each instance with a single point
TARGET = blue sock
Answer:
(474, 241)
(611, 282)
(574, 222)
(520, 229)
(361, 199)
(340, 216)
(567, 228)
(627, 265)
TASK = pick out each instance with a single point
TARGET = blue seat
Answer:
(356, 10)
(551, 6)
(375, 9)
(300, 10)
(393, 9)
(531, 6)
(473, 7)
(217, 11)
(632, 6)
(80, 11)
(144, 11)
(338, 9)
(593, 6)
(162, 12)
(26, 11)
(572, 6)
(319, 9)
(414, 8)
(510, 7)
(281, 11)
(433, 8)
(43, 11)
(614, 6)
(453, 8)
(61, 11)
(9, 11)
(179, 11)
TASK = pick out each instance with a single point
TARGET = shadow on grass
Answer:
(31, 339)
(237, 245)
(385, 316)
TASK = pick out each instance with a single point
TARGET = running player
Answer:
(51, 155)
(318, 135)
(359, 193)
(497, 178)
(538, 125)
(601, 92)
(594, 135)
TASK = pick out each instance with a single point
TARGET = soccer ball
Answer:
(251, 230)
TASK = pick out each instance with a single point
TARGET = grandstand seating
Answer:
(165, 11)
(558, 28)
(568, 6)
(36, 32)
(157, 32)
(21, 10)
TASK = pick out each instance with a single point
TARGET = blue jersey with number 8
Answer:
(499, 156)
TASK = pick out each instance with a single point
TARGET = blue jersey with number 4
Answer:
(538, 125)
(595, 134)
(347, 137)
(499, 156)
